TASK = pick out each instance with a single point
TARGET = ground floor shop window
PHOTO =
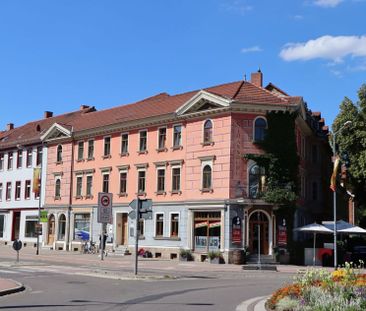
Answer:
(81, 226)
(2, 225)
(30, 226)
(62, 227)
(207, 231)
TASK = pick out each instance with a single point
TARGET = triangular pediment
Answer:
(203, 101)
(55, 132)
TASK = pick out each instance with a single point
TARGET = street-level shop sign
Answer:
(236, 230)
(43, 216)
(105, 208)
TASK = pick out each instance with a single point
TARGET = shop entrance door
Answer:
(207, 231)
(51, 230)
(258, 233)
(122, 229)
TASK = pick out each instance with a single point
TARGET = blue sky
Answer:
(58, 55)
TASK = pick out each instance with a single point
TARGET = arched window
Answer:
(207, 177)
(257, 180)
(207, 132)
(260, 126)
(61, 227)
(58, 188)
(59, 153)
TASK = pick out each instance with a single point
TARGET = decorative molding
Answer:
(176, 162)
(207, 158)
(161, 163)
(142, 165)
(105, 169)
(58, 174)
(123, 167)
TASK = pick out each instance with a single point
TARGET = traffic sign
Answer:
(133, 204)
(17, 245)
(147, 216)
(132, 214)
(105, 208)
(145, 206)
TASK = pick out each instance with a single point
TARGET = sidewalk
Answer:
(8, 286)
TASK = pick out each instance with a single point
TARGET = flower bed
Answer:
(322, 290)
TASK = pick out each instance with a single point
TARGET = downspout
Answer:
(70, 196)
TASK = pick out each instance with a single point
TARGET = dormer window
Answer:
(260, 127)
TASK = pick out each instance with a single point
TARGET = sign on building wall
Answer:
(282, 236)
(43, 216)
(236, 233)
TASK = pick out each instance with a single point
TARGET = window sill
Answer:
(58, 162)
(122, 194)
(90, 159)
(176, 192)
(162, 149)
(141, 237)
(180, 147)
(210, 190)
(207, 143)
(108, 156)
(141, 194)
(167, 238)
(124, 154)
(79, 160)
(142, 152)
(78, 197)
(160, 192)
(56, 198)
(88, 196)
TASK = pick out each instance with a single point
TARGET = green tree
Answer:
(353, 141)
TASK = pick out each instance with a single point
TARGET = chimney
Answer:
(257, 78)
(47, 114)
(82, 107)
(10, 126)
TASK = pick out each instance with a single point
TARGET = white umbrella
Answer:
(353, 230)
(341, 225)
(314, 228)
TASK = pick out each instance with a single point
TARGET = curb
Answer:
(256, 304)
(18, 288)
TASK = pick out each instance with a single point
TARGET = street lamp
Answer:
(346, 124)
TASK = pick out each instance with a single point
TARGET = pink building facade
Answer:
(186, 153)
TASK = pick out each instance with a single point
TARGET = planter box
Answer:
(215, 260)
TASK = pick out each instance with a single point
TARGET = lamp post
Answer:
(346, 124)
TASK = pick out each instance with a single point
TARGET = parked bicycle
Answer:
(90, 247)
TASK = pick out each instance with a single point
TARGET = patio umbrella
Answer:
(353, 230)
(314, 228)
(341, 225)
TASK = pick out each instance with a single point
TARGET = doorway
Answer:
(122, 229)
(258, 233)
(16, 226)
(51, 230)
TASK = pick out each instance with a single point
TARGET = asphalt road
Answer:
(57, 287)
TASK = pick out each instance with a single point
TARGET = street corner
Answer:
(253, 304)
(9, 286)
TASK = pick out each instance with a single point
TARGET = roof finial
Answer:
(245, 77)
(259, 69)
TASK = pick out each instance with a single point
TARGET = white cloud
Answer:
(238, 6)
(251, 49)
(298, 17)
(326, 47)
(327, 3)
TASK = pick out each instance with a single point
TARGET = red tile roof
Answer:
(30, 133)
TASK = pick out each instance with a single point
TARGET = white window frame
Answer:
(170, 224)
(92, 157)
(155, 226)
(180, 179)
(122, 153)
(86, 186)
(110, 146)
(82, 156)
(58, 177)
(181, 136)
(203, 164)
(138, 192)
(121, 171)
(106, 172)
(160, 168)
(203, 132)
(139, 141)
(80, 195)
(158, 138)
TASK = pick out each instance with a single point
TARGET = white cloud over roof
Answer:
(327, 3)
(251, 49)
(334, 48)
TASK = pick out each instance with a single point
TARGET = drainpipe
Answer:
(70, 196)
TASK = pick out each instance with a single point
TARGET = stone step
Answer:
(267, 267)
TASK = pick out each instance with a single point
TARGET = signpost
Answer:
(43, 216)
(104, 217)
(17, 245)
(236, 232)
(141, 208)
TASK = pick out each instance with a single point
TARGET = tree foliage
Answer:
(353, 141)
(281, 161)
